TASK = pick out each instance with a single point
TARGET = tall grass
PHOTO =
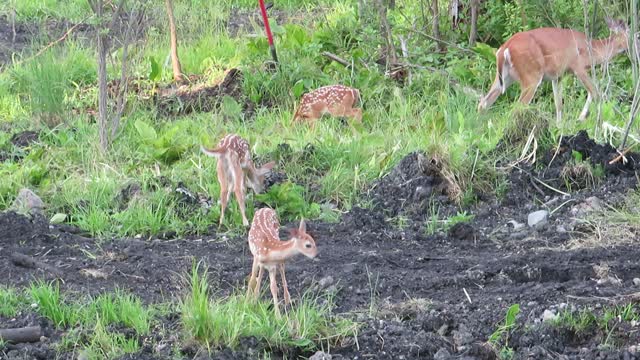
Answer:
(225, 321)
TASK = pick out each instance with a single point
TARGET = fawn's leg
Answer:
(256, 289)
(274, 289)
(287, 298)
(224, 199)
(252, 278)
(240, 191)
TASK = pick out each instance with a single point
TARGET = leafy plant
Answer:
(289, 202)
(167, 147)
(500, 338)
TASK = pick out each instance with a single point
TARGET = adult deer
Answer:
(271, 253)
(546, 54)
(236, 171)
(336, 100)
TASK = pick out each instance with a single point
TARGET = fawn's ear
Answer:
(293, 232)
(303, 226)
(266, 168)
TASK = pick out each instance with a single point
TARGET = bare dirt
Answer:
(417, 296)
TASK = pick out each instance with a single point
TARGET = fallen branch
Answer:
(31, 263)
(28, 334)
(622, 154)
(336, 58)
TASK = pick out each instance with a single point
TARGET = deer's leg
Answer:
(287, 298)
(239, 190)
(529, 87)
(224, 193)
(256, 289)
(591, 93)
(252, 278)
(274, 289)
(356, 113)
(557, 97)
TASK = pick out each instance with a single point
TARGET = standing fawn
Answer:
(236, 171)
(271, 253)
(546, 54)
(337, 100)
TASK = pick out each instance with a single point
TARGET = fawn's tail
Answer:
(213, 152)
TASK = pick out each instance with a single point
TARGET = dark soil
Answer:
(243, 21)
(17, 37)
(416, 295)
(200, 97)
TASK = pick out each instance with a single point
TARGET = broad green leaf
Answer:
(156, 70)
(146, 131)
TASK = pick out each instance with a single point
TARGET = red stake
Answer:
(272, 47)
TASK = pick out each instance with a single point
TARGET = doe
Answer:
(236, 171)
(529, 57)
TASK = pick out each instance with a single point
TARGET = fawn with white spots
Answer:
(271, 253)
(236, 171)
(337, 100)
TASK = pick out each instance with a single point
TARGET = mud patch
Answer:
(415, 187)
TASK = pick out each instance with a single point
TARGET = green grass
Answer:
(219, 322)
(11, 301)
(50, 304)
(333, 164)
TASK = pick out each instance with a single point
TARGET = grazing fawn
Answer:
(532, 56)
(236, 171)
(271, 253)
(337, 100)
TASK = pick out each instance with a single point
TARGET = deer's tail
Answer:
(213, 152)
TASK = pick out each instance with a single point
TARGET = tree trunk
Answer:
(175, 60)
(386, 34)
(102, 82)
(435, 12)
(473, 32)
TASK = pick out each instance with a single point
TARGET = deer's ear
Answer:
(616, 25)
(303, 226)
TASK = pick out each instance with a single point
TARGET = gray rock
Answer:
(27, 202)
(320, 355)
(549, 315)
(586, 207)
(325, 281)
(636, 281)
(442, 354)
(462, 336)
(538, 219)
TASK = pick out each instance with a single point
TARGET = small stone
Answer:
(538, 219)
(516, 225)
(320, 355)
(27, 202)
(442, 354)
(549, 315)
(561, 229)
(636, 281)
(462, 336)
(325, 281)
